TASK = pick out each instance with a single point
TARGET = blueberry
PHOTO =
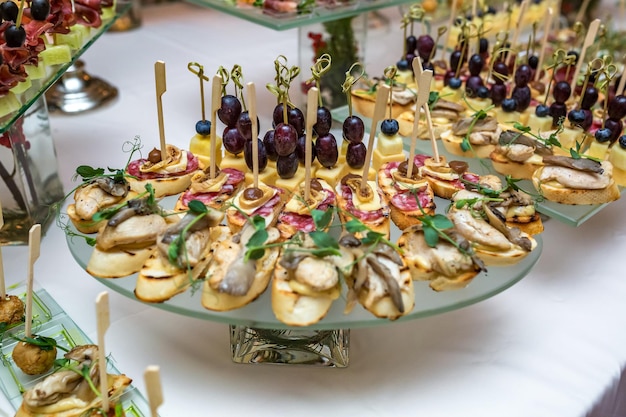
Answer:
(203, 127)
(622, 141)
(491, 10)
(455, 83)
(482, 92)
(576, 117)
(542, 110)
(389, 127)
(533, 61)
(402, 65)
(603, 135)
(509, 104)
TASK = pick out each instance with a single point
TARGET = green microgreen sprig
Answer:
(465, 143)
(178, 244)
(43, 342)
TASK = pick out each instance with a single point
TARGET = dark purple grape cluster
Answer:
(616, 111)
(228, 113)
(498, 89)
(282, 142)
(422, 46)
(353, 132)
(474, 82)
(521, 91)
(558, 109)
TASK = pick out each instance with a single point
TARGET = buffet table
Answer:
(552, 345)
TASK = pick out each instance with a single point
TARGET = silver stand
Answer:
(77, 91)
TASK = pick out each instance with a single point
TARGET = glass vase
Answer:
(30, 184)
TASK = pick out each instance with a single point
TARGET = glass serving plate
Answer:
(40, 86)
(256, 320)
(573, 215)
(317, 14)
(50, 320)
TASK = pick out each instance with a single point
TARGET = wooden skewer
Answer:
(591, 36)
(255, 133)
(34, 243)
(544, 42)
(582, 10)
(102, 321)
(3, 287)
(450, 26)
(311, 119)
(216, 103)
(520, 18)
(622, 83)
(153, 388)
(423, 91)
(159, 77)
(379, 114)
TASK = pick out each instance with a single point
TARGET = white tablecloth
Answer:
(552, 345)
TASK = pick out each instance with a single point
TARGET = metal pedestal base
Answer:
(290, 347)
(77, 91)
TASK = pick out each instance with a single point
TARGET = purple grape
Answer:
(277, 115)
(355, 155)
(476, 64)
(353, 129)
(558, 111)
(501, 72)
(229, 111)
(244, 125)
(455, 57)
(287, 165)
(522, 97)
(616, 126)
(247, 153)
(324, 121)
(301, 150)
(425, 46)
(617, 107)
(285, 139)
(232, 140)
(561, 91)
(472, 85)
(483, 47)
(296, 119)
(498, 93)
(270, 146)
(523, 74)
(411, 43)
(326, 150)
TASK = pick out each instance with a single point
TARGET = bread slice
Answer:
(452, 144)
(299, 308)
(377, 223)
(159, 280)
(402, 202)
(236, 220)
(71, 405)
(506, 166)
(556, 192)
(224, 253)
(364, 102)
(87, 225)
(117, 263)
(444, 265)
(165, 186)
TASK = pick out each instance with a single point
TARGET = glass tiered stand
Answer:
(30, 184)
(256, 336)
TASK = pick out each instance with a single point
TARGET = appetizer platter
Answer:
(50, 321)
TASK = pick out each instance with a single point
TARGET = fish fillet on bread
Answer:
(482, 137)
(518, 155)
(573, 181)
(213, 192)
(446, 265)
(493, 241)
(304, 285)
(162, 277)
(66, 393)
(95, 196)
(377, 277)
(127, 239)
(235, 276)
